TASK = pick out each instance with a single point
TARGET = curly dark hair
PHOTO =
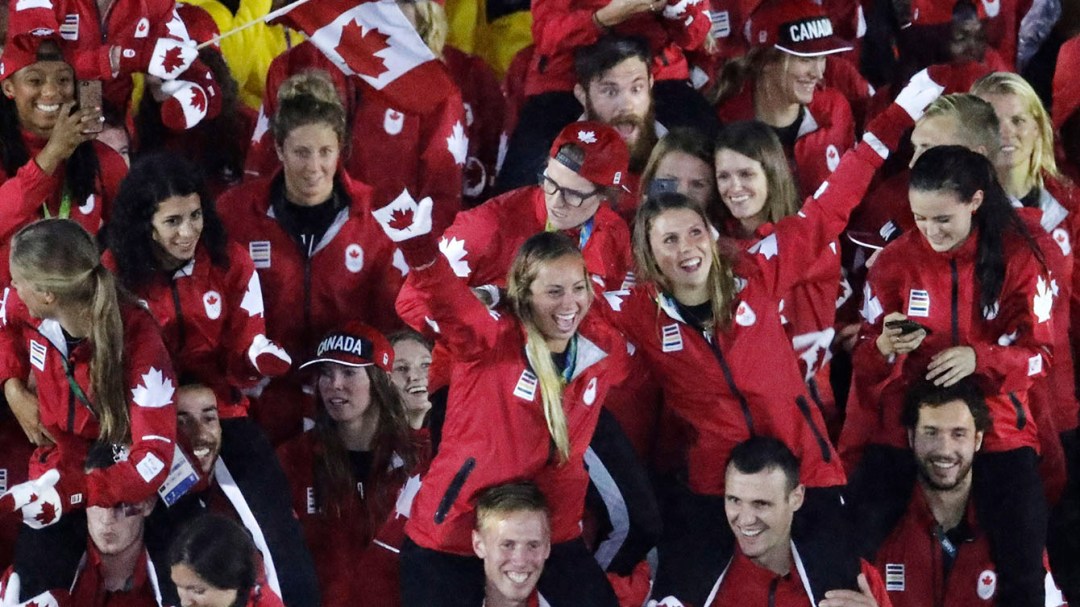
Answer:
(129, 233)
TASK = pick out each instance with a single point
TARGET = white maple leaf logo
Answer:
(454, 251)
(586, 136)
(458, 144)
(871, 308)
(253, 299)
(1044, 300)
(262, 125)
(155, 391)
(813, 349)
(615, 298)
(766, 247)
(400, 263)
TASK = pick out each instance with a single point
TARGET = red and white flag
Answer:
(375, 41)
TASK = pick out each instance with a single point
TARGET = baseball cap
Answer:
(797, 27)
(357, 345)
(21, 50)
(606, 154)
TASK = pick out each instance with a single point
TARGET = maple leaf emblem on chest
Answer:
(362, 45)
(458, 143)
(1044, 300)
(155, 391)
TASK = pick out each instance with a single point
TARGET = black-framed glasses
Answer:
(573, 198)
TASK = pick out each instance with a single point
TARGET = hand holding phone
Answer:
(906, 326)
(89, 99)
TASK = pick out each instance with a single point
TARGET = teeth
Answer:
(944, 464)
(417, 390)
(517, 577)
(691, 264)
(202, 452)
(55, 107)
(749, 533)
(565, 316)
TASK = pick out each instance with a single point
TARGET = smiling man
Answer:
(937, 550)
(513, 538)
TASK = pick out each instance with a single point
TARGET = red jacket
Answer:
(744, 583)
(495, 429)
(29, 344)
(353, 273)
(911, 560)
(133, 24)
(717, 386)
(826, 132)
(561, 26)
(88, 588)
(1012, 343)
(209, 317)
(388, 149)
(485, 117)
(339, 541)
(23, 195)
(14, 469)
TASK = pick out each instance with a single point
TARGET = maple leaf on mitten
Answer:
(47, 515)
(401, 219)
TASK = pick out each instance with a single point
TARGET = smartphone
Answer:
(663, 186)
(90, 97)
(906, 326)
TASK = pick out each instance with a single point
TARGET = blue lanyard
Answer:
(584, 234)
(571, 360)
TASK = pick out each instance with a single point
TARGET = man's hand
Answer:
(894, 341)
(950, 366)
(851, 598)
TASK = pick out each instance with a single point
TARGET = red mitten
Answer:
(269, 359)
(408, 223)
(185, 104)
(632, 590)
(887, 128)
(166, 59)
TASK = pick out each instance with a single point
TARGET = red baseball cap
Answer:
(606, 154)
(21, 50)
(797, 27)
(357, 345)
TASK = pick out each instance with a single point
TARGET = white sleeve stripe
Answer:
(876, 144)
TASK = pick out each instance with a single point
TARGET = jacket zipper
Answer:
(181, 333)
(730, 380)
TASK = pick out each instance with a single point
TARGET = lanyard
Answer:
(75, 388)
(571, 360)
(946, 543)
(65, 205)
(584, 233)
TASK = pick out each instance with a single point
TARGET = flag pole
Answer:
(267, 17)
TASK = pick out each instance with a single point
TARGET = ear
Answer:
(976, 201)
(280, 152)
(911, 438)
(478, 545)
(798, 494)
(8, 88)
(978, 440)
(580, 94)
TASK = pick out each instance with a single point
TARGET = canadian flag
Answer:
(374, 41)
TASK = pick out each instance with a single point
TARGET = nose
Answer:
(818, 69)
(187, 230)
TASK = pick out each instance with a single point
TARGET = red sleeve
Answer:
(463, 323)
(1025, 307)
(13, 355)
(246, 316)
(21, 197)
(560, 27)
(113, 171)
(151, 384)
(877, 586)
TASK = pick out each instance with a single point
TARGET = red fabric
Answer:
(88, 589)
(22, 195)
(914, 546)
(338, 541)
(29, 345)
(747, 583)
(909, 265)
(694, 384)
(485, 117)
(381, 130)
(14, 469)
(1066, 84)
(495, 428)
(827, 131)
(351, 275)
(211, 323)
(562, 26)
(378, 44)
(133, 24)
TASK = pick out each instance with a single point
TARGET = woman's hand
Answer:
(850, 598)
(67, 134)
(895, 341)
(950, 366)
(617, 11)
(24, 405)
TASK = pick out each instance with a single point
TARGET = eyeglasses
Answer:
(573, 198)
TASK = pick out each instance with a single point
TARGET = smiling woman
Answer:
(49, 164)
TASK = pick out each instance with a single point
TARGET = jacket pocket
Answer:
(454, 489)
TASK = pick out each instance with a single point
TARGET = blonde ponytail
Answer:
(107, 361)
(551, 387)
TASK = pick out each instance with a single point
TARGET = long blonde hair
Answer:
(538, 250)
(1006, 83)
(58, 256)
